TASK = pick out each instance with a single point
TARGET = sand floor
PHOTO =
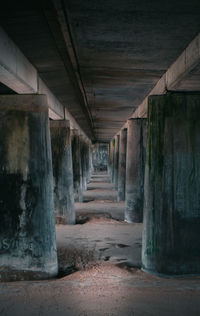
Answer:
(99, 261)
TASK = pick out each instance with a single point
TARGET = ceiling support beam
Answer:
(182, 75)
(17, 73)
(57, 19)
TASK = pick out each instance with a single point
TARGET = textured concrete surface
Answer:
(122, 164)
(62, 171)
(116, 162)
(27, 226)
(172, 188)
(77, 170)
(84, 157)
(135, 161)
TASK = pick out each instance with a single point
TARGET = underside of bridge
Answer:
(101, 58)
(100, 157)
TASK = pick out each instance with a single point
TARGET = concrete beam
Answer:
(56, 109)
(69, 56)
(184, 67)
(19, 74)
(182, 75)
(16, 72)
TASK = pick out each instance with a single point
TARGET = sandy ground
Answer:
(103, 255)
(101, 239)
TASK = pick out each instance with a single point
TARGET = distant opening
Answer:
(100, 157)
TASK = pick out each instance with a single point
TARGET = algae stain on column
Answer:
(17, 154)
(17, 161)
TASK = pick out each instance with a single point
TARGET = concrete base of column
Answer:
(63, 172)
(27, 226)
(172, 185)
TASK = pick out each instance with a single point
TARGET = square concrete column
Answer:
(171, 235)
(77, 170)
(109, 158)
(135, 170)
(122, 165)
(88, 170)
(91, 168)
(63, 172)
(116, 162)
(83, 150)
(27, 225)
(112, 159)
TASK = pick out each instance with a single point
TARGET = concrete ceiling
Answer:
(101, 58)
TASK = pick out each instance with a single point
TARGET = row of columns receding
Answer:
(155, 166)
(39, 182)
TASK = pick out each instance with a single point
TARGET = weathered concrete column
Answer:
(63, 172)
(77, 172)
(109, 158)
(90, 166)
(112, 159)
(88, 170)
(27, 225)
(135, 170)
(122, 165)
(84, 168)
(172, 185)
(86, 163)
(83, 156)
(116, 161)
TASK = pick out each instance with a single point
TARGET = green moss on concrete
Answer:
(172, 184)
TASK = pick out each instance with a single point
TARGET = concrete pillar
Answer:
(171, 232)
(109, 159)
(63, 172)
(84, 156)
(88, 170)
(77, 172)
(27, 225)
(122, 165)
(83, 151)
(90, 160)
(112, 159)
(135, 170)
(116, 161)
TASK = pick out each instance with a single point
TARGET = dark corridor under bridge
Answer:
(99, 158)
